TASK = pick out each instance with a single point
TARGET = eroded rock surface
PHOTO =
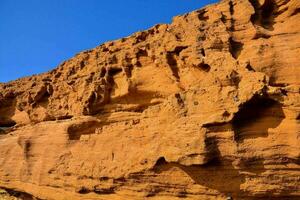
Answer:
(206, 107)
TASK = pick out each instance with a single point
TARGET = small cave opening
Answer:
(256, 117)
(249, 67)
(213, 152)
(205, 67)
(161, 161)
(268, 14)
(114, 71)
(268, 9)
(264, 14)
(102, 72)
(235, 48)
(172, 62)
(179, 49)
(255, 17)
(83, 190)
(43, 100)
(202, 51)
(231, 7)
(142, 53)
(202, 15)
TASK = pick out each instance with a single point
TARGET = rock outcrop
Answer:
(206, 107)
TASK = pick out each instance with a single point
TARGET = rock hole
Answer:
(161, 161)
(172, 62)
(112, 60)
(104, 178)
(205, 67)
(128, 70)
(103, 72)
(182, 194)
(232, 20)
(213, 153)
(178, 49)
(114, 71)
(82, 64)
(250, 68)
(255, 118)
(202, 37)
(268, 9)
(178, 37)
(264, 15)
(57, 75)
(142, 52)
(255, 17)
(83, 190)
(202, 51)
(105, 49)
(179, 99)
(84, 128)
(235, 48)
(231, 7)
(91, 98)
(141, 36)
(44, 98)
(234, 78)
(226, 114)
(202, 15)
(223, 18)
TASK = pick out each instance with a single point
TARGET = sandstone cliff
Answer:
(206, 107)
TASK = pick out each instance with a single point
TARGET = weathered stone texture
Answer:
(206, 107)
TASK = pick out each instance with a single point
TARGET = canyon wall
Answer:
(207, 107)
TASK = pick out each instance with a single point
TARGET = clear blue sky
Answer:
(37, 35)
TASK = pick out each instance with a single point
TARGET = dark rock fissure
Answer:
(172, 62)
(264, 15)
(235, 48)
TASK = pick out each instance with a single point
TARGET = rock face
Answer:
(206, 107)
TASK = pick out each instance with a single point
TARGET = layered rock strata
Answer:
(206, 107)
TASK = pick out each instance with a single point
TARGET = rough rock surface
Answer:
(206, 107)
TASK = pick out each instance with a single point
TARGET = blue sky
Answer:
(37, 35)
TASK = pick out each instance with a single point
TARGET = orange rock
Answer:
(207, 107)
